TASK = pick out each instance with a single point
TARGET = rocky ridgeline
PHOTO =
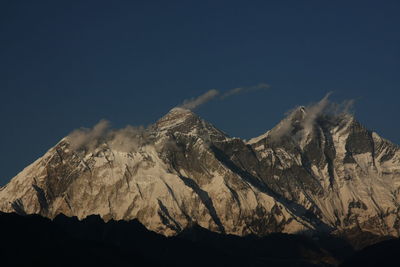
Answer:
(324, 174)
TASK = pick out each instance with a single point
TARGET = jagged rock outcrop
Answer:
(326, 174)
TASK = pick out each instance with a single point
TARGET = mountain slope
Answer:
(346, 175)
(309, 173)
(168, 185)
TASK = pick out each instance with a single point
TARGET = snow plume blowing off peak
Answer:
(131, 138)
(234, 91)
(195, 102)
(126, 139)
(307, 117)
(88, 138)
(200, 100)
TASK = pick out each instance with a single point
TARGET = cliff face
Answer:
(332, 175)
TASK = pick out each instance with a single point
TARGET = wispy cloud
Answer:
(200, 100)
(195, 102)
(315, 110)
(88, 138)
(126, 139)
(309, 116)
(238, 90)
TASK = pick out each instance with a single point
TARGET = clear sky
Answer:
(67, 64)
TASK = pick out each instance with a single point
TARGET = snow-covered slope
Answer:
(346, 175)
(330, 174)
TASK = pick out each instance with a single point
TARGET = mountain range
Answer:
(315, 172)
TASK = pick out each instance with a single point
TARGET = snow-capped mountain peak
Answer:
(184, 121)
(175, 117)
(312, 172)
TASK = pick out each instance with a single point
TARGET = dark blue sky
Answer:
(67, 64)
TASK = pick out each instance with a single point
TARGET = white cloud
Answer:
(308, 117)
(315, 110)
(88, 138)
(200, 100)
(238, 90)
(126, 139)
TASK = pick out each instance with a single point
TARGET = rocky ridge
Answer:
(325, 174)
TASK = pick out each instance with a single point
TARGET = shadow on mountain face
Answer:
(36, 241)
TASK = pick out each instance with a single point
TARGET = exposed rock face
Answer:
(344, 174)
(333, 176)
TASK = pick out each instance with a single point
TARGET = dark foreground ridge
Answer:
(385, 253)
(37, 241)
